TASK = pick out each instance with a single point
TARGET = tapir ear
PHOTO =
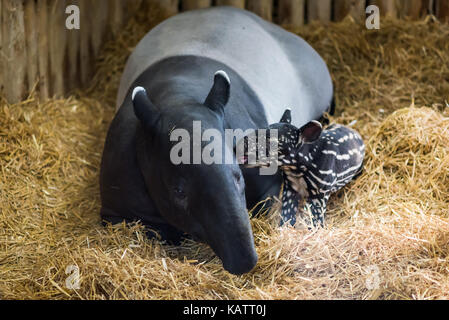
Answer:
(287, 116)
(144, 109)
(310, 132)
(219, 94)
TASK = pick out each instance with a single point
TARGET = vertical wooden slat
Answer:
(169, 7)
(14, 50)
(387, 7)
(2, 67)
(442, 10)
(85, 49)
(42, 13)
(99, 23)
(73, 48)
(263, 8)
(235, 3)
(428, 7)
(195, 4)
(31, 43)
(130, 7)
(319, 10)
(57, 45)
(354, 8)
(116, 16)
(291, 12)
(410, 8)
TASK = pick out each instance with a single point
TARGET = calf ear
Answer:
(310, 132)
(219, 94)
(144, 109)
(287, 116)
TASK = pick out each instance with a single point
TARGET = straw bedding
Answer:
(387, 235)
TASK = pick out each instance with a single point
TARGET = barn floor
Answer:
(387, 235)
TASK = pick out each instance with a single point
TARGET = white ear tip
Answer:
(137, 89)
(224, 75)
(289, 109)
(316, 122)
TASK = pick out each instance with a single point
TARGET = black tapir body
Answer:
(263, 69)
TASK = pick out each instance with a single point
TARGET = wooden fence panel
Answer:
(129, 7)
(387, 8)
(235, 3)
(263, 8)
(73, 77)
(101, 14)
(84, 37)
(354, 8)
(31, 43)
(429, 6)
(2, 67)
(410, 8)
(291, 12)
(195, 4)
(14, 49)
(116, 15)
(57, 45)
(319, 10)
(37, 48)
(43, 57)
(169, 7)
(442, 10)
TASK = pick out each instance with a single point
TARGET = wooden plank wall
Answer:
(37, 51)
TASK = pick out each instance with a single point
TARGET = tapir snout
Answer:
(240, 261)
(235, 247)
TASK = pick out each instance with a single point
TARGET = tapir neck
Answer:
(183, 80)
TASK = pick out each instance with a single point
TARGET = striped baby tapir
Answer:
(315, 163)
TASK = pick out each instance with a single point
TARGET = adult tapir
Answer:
(171, 80)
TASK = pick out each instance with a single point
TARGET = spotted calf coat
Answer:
(315, 166)
(315, 163)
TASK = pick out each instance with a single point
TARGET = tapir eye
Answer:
(179, 193)
(180, 198)
(238, 181)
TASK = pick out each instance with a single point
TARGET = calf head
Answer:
(206, 201)
(289, 141)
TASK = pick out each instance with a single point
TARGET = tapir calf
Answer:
(315, 163)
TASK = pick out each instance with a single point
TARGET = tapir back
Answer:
(281, 68)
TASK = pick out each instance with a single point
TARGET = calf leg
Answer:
(317, 205)
(290, 204)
